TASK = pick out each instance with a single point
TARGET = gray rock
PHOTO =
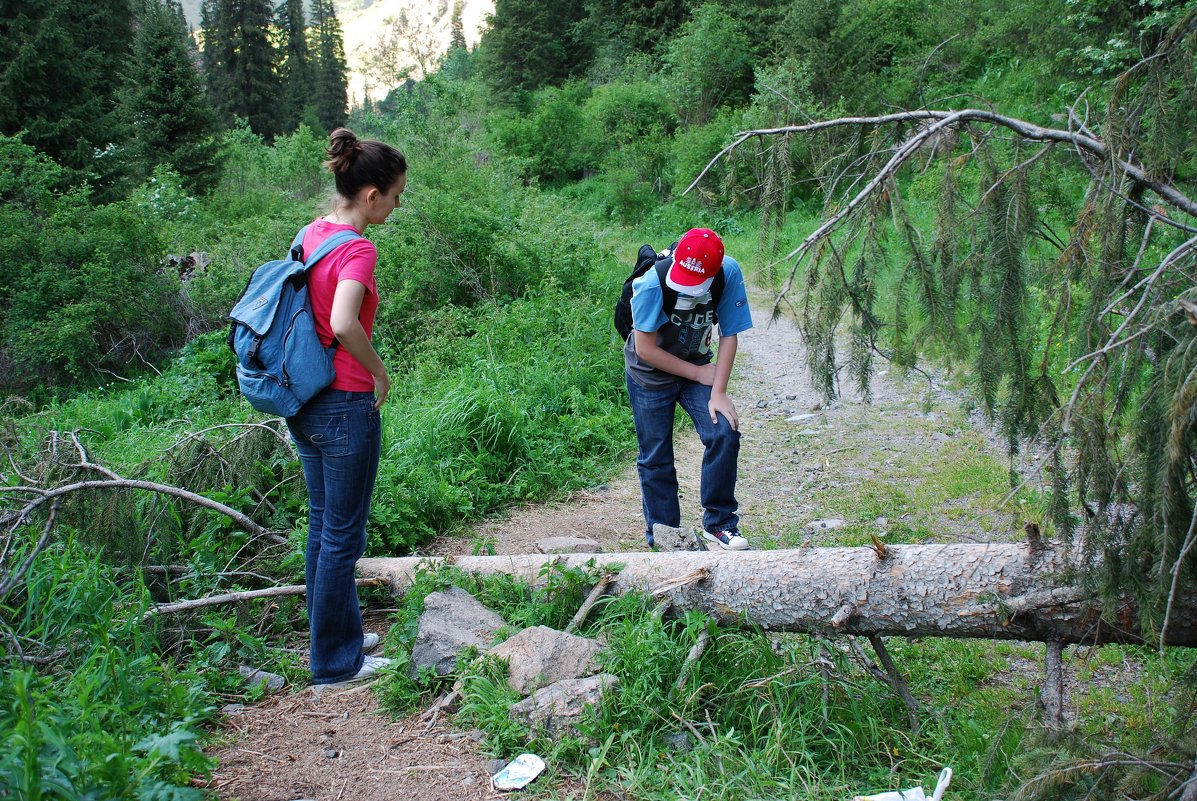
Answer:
(825, 524)
(453, 620)
(557, 709)
(331, 753)
(271, 682)
(668, 538)
(540, 656)
(678, 741)
(232, 710)
(568, 545)
(495, 765)
(803, 418)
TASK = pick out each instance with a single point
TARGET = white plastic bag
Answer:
(913, 794)
(518, 772)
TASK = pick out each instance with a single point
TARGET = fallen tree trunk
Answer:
(992, 591)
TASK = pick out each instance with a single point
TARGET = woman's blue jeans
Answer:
(652, 411)
(338, 436)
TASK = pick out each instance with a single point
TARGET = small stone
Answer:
(477, 735)
(802, 418)
(331, 753)
(939, 436)
(271, 682)
(795, 397)
(233, 710)
(468, 780)
(678, 741)
(825, 524)
(882, 521)
(762, 404)
(495, 765)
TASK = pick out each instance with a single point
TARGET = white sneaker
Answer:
(369, 642)
(729, 540)
(371, 665)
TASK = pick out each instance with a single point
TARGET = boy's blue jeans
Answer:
(652, 411)
(338, 436)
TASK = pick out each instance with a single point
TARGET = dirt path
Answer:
(861, 464)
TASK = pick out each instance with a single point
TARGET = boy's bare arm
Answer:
(651, 354)
(721, 403)
(725, 356)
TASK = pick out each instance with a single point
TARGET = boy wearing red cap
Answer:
(668, 361)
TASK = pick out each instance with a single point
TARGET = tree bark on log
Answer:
(990, 591)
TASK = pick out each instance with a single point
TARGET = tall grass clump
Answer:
(506, 403)
(89, 710)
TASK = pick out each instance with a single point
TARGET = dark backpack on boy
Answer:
(281, 364)
(648, 258)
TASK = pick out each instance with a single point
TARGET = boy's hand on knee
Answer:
(720, 403)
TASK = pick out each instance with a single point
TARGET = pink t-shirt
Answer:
(353, 260)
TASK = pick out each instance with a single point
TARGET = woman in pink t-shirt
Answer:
(338, 433)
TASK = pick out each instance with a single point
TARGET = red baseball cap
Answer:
(697, 259)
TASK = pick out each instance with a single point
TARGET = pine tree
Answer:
(531, 44)
(330, 70)
(457, 40)
(163, 99)
(294, 67)
(59, 62)
(239, 63)
(457, 64)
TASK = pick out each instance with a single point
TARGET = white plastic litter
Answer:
(518, 772)
(913, 794)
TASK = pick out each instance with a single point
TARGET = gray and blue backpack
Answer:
(281, 364)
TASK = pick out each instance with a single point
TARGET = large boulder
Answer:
(557, 709)
(539, 656)
(453, 620)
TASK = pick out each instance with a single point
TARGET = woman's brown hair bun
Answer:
(358, 163)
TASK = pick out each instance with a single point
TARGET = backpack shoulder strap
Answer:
(668, 293)
(717, 287)
(296, 250)
(330, 244)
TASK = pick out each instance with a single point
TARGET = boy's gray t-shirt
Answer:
(688, 333)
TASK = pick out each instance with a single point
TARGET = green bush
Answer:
(693, 149)
(551, 143)
(81, 286)
(709, 65)
(504, 403)
(107, 718)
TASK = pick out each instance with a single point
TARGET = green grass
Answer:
(788, 715)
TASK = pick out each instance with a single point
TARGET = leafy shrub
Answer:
(693, 149)
(709, 65)
(466, 235)
(507, 402)
(80, 285)
(551, 142)
(108, 719)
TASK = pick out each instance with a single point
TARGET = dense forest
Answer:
(1006, 190)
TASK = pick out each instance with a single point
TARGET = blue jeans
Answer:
(338, 436)
(652, 411)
